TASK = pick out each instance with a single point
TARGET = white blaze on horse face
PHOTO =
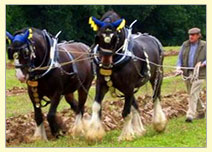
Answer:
(19, 73)
(40, 132)
(159, 118)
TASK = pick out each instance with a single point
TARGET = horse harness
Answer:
(122, 59)
(32, 80)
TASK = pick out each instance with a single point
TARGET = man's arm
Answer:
(203, 63)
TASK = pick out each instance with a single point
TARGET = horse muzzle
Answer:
(19, 74)
(107, 62)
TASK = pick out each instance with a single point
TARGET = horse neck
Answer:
(42, 51)
(122, 37)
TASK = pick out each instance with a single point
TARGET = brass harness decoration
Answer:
(34, 89)
(107, 73)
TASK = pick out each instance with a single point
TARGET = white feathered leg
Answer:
(78, 129)
(94, 128)
(40, 133)
(159, 118)
(133, 126)
(137, 123)
(127, 131)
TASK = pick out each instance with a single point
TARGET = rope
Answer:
(63, 64)
(158, 65)
(192, 77)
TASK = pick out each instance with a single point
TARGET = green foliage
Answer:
(169, 23)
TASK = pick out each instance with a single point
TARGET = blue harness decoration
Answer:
(95, 23)
(23, 37)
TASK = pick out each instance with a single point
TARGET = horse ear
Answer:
(9, 37)
(26, 35)
(95, 23)
(119, 24)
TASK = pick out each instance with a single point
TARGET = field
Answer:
(19, 113)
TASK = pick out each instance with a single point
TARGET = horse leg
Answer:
(127, 131)
(40, 133)
(94, 128)
(136, 119)
(159, 118)
(51, 116)
(71, 101)
(78, 128)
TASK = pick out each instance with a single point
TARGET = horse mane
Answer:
(24, 29)
(110, 16)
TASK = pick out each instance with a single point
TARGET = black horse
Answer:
(120, 66)
(50, 71)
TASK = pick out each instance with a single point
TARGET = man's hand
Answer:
(178, 71)
(203, 65)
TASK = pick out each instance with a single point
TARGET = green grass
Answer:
(21, 104)
(177, 134)
(171, 48)
(11, 80)
(169, 61)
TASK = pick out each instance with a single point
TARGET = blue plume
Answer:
(21, 37)
(10, 36)
(117, 23)
(98, 22)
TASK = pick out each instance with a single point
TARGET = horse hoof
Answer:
(77, 131)
(38, 138)
(140, 132)
(95, 132)
(127, 137)
(160, 126)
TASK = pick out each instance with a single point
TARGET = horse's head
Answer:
(109, 35)
(19, 50)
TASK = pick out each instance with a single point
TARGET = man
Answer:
(193, 52)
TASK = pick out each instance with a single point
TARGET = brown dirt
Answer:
(15, 91)
(9, 65)
(20, 129)
(171, 53)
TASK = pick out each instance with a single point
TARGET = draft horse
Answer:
(39, 61)
(118, 66)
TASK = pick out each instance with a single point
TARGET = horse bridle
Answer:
(28, 54)
(27, 50)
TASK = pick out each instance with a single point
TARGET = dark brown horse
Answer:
(50, 72)
(119, 66)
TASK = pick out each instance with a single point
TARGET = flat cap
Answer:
(194, 30)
